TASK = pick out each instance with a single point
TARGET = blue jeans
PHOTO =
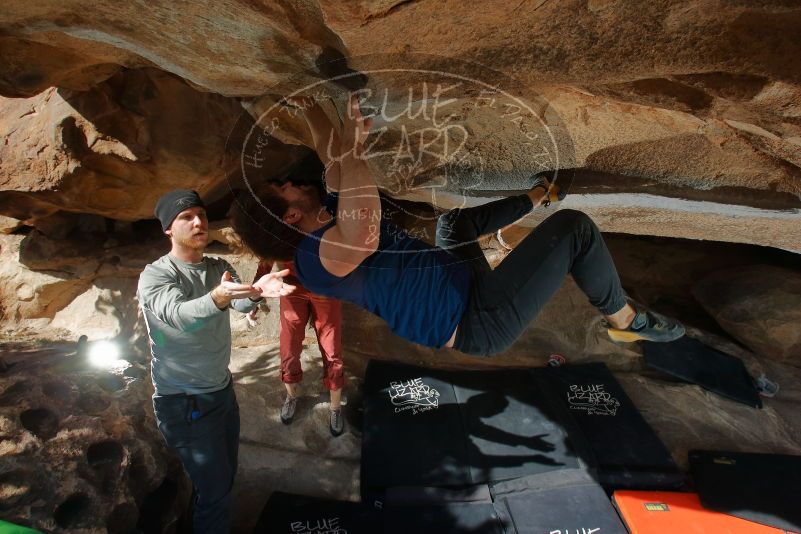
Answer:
(204, 430)
(503, 302)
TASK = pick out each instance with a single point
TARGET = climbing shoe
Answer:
(288, 409)
(766, 387)
(556, 191)
(648, 326)
(336, 423)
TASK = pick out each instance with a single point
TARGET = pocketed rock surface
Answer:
(79, 450)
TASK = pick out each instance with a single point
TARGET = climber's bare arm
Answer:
(325, 138)
(355, 235)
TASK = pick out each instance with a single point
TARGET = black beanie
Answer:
(173, 203)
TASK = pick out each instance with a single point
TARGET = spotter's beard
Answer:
(194, 244)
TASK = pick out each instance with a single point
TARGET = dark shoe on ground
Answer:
(336, 423)
(766, 387)
(648, 326)
(288, 409)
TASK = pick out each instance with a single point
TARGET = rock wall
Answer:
(685, 112)
(747, 302)
(114, 149)
(578, 43)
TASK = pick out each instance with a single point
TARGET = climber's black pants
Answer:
(504, 301)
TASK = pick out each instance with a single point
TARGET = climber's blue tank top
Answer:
(421, 291)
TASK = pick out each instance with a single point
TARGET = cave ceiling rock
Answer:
(668, 101)
(113, 150)
(250, 49)
(228, 47)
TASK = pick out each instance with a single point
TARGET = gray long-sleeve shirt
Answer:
(190, 338)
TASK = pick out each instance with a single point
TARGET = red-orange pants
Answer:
(327, 316)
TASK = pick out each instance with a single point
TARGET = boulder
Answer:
(234, 47)
(678, 125)
(114, 149)
(27, 293)
(759, 305)
(105, 311)
(67, 287)
(579, 43)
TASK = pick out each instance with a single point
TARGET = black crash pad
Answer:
(764, 488)
(425, 427)
(452, 517)
(286, 513)
(511, 429)
(607, 429)
(700, 364)
(401, 496)
(559, 502)
(414, 509)
(412, 434)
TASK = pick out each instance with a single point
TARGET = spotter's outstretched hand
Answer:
(272, 285)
